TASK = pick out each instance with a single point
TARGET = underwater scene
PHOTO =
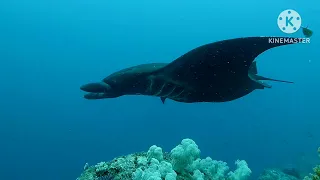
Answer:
(159, 90)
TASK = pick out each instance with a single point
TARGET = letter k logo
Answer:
(288, 21)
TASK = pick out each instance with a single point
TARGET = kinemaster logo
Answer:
(289, 21)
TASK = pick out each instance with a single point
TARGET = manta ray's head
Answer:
(100, 90)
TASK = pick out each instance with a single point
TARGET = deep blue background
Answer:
(49, 48)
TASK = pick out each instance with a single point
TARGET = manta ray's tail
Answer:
(253, 74)
(257, 77)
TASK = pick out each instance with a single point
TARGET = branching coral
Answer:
(182, 163)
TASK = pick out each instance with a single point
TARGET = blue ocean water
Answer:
(48, 49)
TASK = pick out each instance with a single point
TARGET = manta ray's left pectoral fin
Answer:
(163, 99)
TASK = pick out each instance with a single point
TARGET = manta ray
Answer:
(217, 72)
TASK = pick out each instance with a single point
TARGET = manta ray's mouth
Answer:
(100, 87)
(98, 90)
(95, 96)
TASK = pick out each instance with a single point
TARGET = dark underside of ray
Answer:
(223, 64)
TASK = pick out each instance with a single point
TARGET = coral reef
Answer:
(182, 163)
(276, 174)
(316, 171)
(292, 172)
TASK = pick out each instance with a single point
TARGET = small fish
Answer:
(310, 135)
(307, 32)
